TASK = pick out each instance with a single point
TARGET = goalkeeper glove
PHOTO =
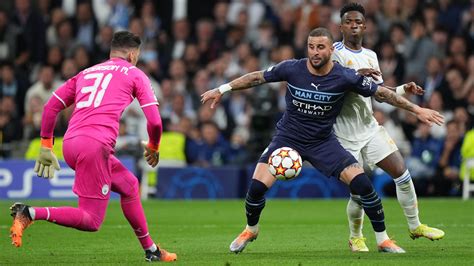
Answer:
(151, 153)
(47, 162)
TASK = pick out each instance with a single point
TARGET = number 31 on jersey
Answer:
(96, 91)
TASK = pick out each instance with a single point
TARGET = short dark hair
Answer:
(352, 7)
(125, 40)
(319, 32)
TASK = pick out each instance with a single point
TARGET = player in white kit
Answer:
(361, 135)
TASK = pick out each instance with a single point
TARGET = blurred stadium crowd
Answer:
(192, 46)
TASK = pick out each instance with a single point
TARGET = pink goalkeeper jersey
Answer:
(100, 94)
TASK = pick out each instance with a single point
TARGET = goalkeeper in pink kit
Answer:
(100, 94)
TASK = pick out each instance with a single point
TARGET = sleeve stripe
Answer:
(61, 100)
(148, 104)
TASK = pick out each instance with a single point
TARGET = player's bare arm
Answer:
(425, 115)
(244, 82)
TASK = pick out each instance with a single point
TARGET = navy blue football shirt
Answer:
(313, 102)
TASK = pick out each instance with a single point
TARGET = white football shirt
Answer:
(356, 121)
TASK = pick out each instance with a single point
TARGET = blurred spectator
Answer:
(192, 59)
(211, 150)
(151, 22)
(43, 88)
(32, 118)
(430, 17)
(220, 22)
(391, 62)
(68, 69)
(10, 125)
(457, 54)
(447, 174)
(55, 58)
(208, 48)
(434, 78)
(424, 158)
(436, 103)
(65, 37)
(255, 9)
(199, 86)
(307, 14)
(57, 16)
(8, 38)
(13, 86)
(120, 14)
(418, 49)
(180, 110)
(85, 25)
(462, 118)
(440, 39)
(102, 44)
(181, 32)
(398, 37)
(81, 57)
(454, 94)
(450, 15)
(32, 45)
(285, 28)
(127, 144)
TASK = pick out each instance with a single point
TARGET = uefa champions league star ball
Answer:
(285, 163)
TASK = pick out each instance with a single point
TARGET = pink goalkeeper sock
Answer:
(87, 217)
(133, 211)
(126, 184)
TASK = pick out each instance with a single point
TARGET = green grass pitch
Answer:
(293, 232)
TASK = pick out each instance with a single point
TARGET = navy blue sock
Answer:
(255, 201)
(370, 201)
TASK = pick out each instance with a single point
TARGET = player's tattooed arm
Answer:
(425, 115)
(248, 80)
(384, 94)
(243, 82)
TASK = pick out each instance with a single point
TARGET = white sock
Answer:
(381, 237)
(406, 196)
(153, 248)
(355, 215)
(253, 228)
(32, 212)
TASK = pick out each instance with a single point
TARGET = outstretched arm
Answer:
(425, 115)
(411, 87)
(244, 82)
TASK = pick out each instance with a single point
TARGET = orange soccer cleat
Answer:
(389, 246)
(242, 241)
(160, 255)
(21, 221)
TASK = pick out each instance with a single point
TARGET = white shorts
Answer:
(373, 150)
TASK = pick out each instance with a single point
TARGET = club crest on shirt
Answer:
(349, 63)
(105, 189)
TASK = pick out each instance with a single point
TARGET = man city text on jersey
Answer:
(313, 102)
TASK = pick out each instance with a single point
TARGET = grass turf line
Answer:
(293, 232)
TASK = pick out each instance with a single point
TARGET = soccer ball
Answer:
(285, 163)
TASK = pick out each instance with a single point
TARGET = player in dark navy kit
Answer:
(315, 93)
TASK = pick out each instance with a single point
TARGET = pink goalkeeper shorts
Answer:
(91, 161)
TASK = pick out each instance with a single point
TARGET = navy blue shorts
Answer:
(328, 156)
